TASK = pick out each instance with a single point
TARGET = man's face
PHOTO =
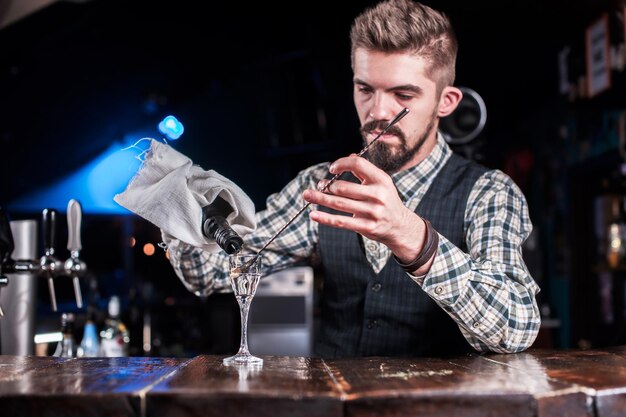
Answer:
(384, 84)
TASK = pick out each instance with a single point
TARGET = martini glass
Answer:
(244, 283)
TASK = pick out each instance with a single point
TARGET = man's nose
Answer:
(383, 108)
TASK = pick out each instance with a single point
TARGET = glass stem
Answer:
(244, 307)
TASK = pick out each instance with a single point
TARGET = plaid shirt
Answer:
(488, 291)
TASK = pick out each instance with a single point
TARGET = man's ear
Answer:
(450, 98)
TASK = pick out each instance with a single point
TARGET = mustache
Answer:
(380, 125)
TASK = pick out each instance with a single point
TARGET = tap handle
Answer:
(49, 220)
(74, 266)
(48, 263)
(74, 217)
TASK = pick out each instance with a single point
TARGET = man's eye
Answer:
(404, 96)
(364, 90)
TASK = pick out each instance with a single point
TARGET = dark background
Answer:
(246, 79)
(264, 90)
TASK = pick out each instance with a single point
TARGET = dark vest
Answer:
(387, 314)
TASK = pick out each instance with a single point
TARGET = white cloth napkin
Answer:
(169, 191)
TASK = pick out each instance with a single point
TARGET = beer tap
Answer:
(49, 264)
(74, 266)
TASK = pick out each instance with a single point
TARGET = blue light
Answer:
(94, 185)
(171, 127)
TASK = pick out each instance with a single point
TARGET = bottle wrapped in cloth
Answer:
(174, 194)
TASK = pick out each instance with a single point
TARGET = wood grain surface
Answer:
(535, 383)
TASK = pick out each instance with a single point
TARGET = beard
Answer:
(383, 156)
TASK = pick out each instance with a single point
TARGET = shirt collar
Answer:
(422, 174)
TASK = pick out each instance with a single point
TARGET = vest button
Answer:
(377, 287)
(438, 290)
(371, 324)
(372, 247)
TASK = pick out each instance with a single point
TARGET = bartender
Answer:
(421, 249)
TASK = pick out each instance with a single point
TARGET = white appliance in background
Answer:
(19, 298)
(281, 314)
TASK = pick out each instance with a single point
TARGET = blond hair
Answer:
(408, 26)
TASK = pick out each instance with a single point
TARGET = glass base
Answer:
(243, 359)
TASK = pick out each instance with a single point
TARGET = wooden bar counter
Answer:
(542, 383)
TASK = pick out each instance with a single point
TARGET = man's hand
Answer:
(377, 211)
